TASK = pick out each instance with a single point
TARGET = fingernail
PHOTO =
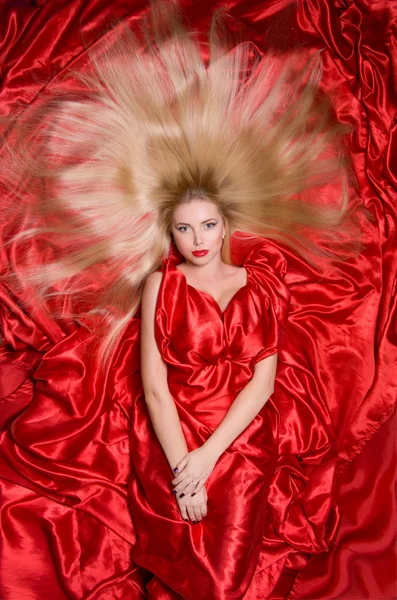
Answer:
(194, 522)
(193, 495)
(174, 492)
(181, 496)
(176, 470)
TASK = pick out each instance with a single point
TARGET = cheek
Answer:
(215, 235)
(181, 240)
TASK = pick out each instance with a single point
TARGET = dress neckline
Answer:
(209, 296)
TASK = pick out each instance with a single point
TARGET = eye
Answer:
(183, 228)
(210, 225)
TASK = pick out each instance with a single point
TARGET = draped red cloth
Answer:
(67, 429)
(210, 356)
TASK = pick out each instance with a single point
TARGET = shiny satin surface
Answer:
(212, 353)
(210, 357)
(71, 489)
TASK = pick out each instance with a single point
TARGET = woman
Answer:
(209, 338)
(166, 144)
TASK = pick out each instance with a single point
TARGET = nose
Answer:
(197, 238)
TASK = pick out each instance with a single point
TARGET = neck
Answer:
(209, 270)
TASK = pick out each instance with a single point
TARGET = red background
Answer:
(64, 459)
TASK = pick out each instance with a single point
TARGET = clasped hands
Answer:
(191, 473)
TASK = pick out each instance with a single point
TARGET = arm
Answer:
(161, 405)
(247, 404)
(198, 464)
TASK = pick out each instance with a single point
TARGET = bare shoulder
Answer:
(233, 270)
(236, 274)
(153, 281)
(150, 292)
(151, 287)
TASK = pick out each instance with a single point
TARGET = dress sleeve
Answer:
(269, 267)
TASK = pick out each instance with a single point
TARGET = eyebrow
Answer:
(202, 222)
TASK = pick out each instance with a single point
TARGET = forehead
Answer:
(195, 211)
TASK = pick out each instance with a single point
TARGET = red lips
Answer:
(200, 252)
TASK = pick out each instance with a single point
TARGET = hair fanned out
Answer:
(108, 166)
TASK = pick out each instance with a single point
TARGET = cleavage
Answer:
(216, 301)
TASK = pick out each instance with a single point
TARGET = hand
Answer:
(193, 471)
(193, 508)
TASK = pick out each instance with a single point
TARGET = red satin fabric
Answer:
(70, 458)
(210, 356)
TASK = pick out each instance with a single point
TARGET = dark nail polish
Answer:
(174, 492)
(181, 496)
(176, 470)
(194, 522)
(193, 495)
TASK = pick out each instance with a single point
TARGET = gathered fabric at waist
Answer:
(188, 384)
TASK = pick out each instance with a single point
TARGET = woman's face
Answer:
(198, 229)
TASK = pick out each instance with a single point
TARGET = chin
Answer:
(204, 259)
(199, 260)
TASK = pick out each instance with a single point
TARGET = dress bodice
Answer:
(208, 349)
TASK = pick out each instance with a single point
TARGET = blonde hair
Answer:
(148, 129)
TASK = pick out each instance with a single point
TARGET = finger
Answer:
(197, 513)
(191, 514)
(183, 512)
(184, 491)
(203, 509)
(182, 464)
(180, 490)
(190, 487)
(186, 486)
(181, 477)
(198, 487)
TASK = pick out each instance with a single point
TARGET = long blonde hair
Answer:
(150, 127)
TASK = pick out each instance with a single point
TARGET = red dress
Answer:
(210, 357)
(66, 530)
